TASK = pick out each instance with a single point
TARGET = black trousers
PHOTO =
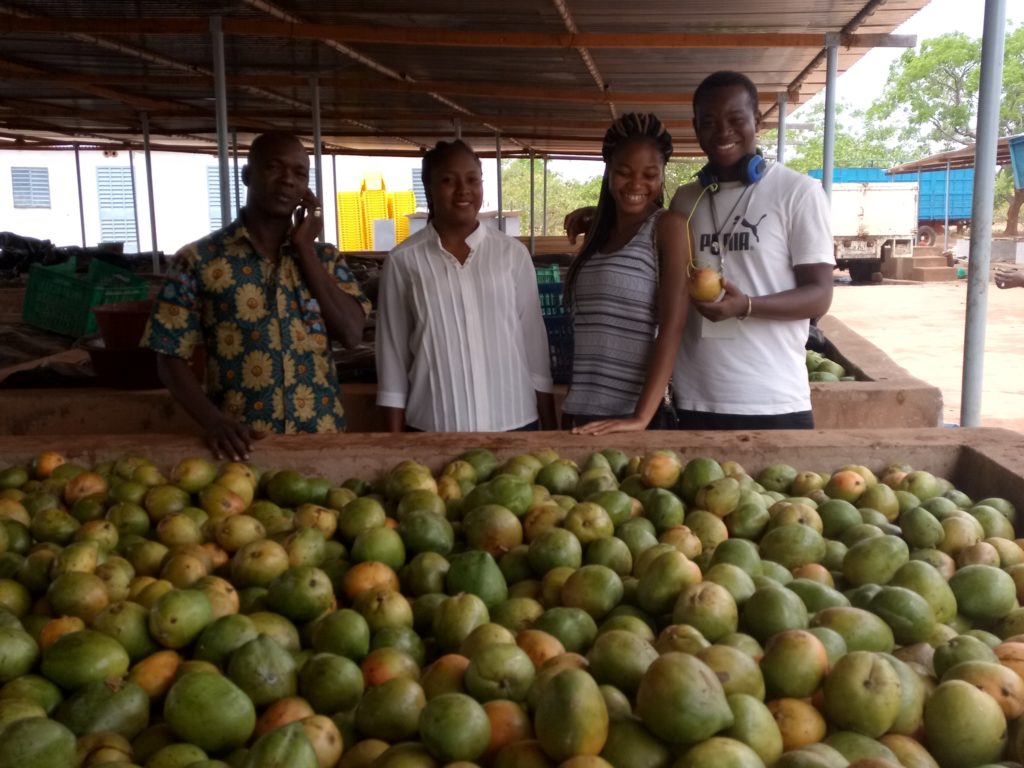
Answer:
(701, 420)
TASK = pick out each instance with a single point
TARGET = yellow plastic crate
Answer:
(350, 222)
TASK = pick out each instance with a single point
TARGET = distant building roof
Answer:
(955, 158)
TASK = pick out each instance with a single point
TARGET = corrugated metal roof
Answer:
(549, 75)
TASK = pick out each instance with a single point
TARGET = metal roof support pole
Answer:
(457, 127)
(497, 163)
(544, 223)
(220, 90)
(234, 163)
(780, 145)
(149, 191)
(829, 146)
(81, 204)
(989, 92)
(135, 199)
(533, 210)
(945, 223)
(337, 213)
(314, 87)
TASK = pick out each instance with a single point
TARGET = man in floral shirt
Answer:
(265, 298)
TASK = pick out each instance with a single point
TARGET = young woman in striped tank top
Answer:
(627, 287)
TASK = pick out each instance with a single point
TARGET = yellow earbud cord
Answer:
(690, 265)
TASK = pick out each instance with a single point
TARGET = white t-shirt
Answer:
(754, 366)
(461, 347)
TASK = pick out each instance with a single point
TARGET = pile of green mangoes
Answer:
(633, 611)
(822, 368)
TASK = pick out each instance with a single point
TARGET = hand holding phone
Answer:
(307, 220)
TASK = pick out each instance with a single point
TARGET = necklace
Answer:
(719, 231)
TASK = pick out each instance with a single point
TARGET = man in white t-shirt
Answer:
(766, 228)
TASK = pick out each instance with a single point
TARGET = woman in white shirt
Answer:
(461, 344)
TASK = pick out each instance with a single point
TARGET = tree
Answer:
(930, 99)
(564, 195)
(858, 142)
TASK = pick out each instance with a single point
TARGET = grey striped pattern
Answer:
(615, 318)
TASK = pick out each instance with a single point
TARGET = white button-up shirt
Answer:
(461, 347)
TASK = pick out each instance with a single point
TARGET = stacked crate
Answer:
(374, 198)
(557, 322)
(351, 229)
(400, 204)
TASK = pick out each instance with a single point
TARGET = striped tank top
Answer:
(615, 317)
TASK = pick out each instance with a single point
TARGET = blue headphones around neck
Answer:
(751, 170)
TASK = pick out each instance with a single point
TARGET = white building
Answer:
(39, 195)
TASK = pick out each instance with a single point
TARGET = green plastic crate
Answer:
(58, 300)
(549, 274)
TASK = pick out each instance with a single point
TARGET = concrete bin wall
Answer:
(885, 395)
(888, 397)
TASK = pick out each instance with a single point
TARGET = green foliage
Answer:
(931, 95)
(680, 172)
(858, 143)
(566, 195)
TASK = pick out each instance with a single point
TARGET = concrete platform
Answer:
(887, 397)
(928, 265)
(981, 462)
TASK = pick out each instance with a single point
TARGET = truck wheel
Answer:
(926, 235)
(860, 272)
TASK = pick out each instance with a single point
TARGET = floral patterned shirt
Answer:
(268, 355)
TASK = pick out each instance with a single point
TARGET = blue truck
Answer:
(935, 206)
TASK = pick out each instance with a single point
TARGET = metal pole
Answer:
(781, 100)
(135, 200)
(533, 211)
(497, 162)
(989, 92)
(314, 87)
(829, 148)
(945, 223)
(457, 127)
(81, 204)
(334, 201)
(220, 90)
(234, 162)
(149, 190)
(544, 224)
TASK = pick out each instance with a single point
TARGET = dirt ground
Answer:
(921, 327)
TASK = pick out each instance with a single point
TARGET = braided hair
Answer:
(634, 126)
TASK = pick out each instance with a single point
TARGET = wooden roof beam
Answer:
(356, 33)
(562, 8)
(527, 92)
(61, 78)
(349, 83)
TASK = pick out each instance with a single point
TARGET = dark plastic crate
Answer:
(560, 343)
(60, 301)
(558, 323)
(552, 301)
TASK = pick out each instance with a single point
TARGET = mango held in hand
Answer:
(705, 284)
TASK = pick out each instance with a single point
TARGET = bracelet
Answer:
(750, 307)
